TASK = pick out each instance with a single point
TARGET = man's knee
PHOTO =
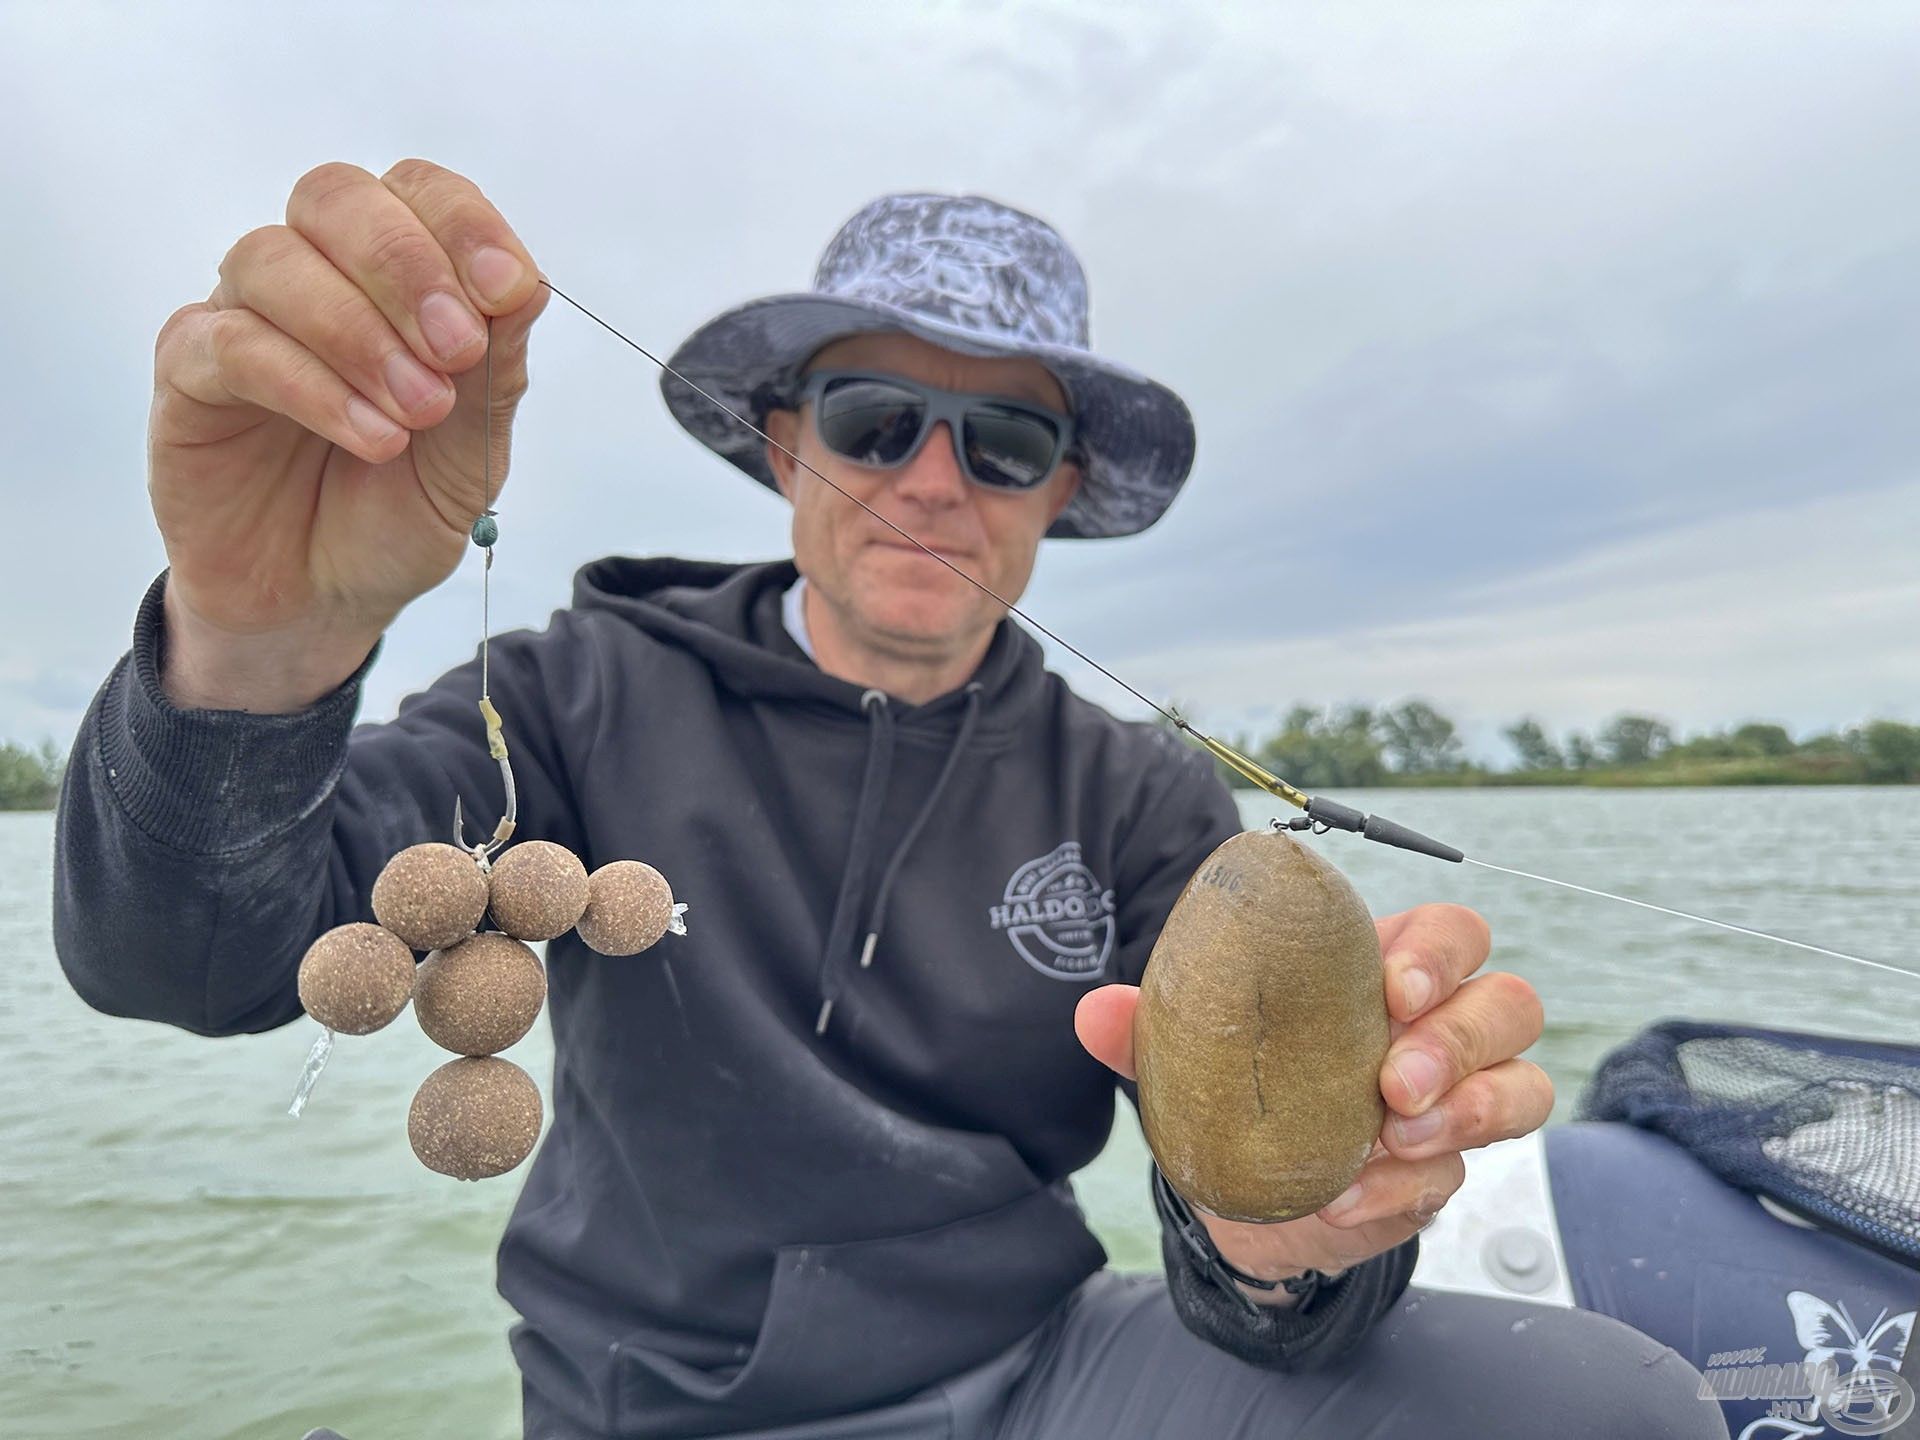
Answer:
(1573, 1374)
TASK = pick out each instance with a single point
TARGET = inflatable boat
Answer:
(1748, 1196)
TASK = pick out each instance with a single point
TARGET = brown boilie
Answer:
(474, 1117)
(537, 890)
(430, 895)
(481, 995)
(629, 907)
(356, 978)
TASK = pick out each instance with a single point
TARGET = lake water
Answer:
(182, 1259)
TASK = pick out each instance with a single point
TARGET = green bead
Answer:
(485, 531)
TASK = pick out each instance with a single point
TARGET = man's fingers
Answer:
(1487, 1020)
(451, 457)
(1391, 1199)
(277, 273)
(211, 361)
(498, 272)
(1428, 951)
(1512, 1098)
(377, 241)
(1104, 1022)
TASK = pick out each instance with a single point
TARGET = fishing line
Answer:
(978, 585)
(1321, 815)
(486, 530)
(1702, 919)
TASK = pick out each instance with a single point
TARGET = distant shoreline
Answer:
(1699, 776)
(1414, 745)
(1635, 778)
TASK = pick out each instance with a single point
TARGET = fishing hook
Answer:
(483, 850)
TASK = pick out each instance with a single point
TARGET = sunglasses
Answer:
(881, 421)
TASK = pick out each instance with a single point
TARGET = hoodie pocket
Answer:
(855, 1323)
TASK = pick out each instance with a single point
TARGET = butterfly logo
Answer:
(1829, 1334)
(1870, 1392)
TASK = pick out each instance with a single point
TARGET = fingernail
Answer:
(1413, 1130)
(449, 326)
(1344, 1202)
(1419, 1071)
(1416, 989)
(372, 425)
(495, 272)
(412, 384)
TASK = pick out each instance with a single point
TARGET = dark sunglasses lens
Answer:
(1011, 449)
(870, 421)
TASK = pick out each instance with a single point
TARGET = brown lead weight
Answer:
(629, 907)
(1260, 1033)
(474, 1117)
(537, 889)
(356, 978)
(481, 995)
(430, 895)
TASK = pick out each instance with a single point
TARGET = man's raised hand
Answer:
(316, 442)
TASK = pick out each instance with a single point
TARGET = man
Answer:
(808, 1168)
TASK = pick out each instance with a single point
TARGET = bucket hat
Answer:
(971, 275)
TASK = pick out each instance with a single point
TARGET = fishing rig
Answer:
(465, 1121)
(1320, 815)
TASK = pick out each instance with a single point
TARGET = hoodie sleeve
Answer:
(197, 853)
(1191, 815)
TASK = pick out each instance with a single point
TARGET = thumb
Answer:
(453, 457)
(1104, 1022)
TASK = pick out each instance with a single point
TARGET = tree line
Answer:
(1414, 744)
(29, 779)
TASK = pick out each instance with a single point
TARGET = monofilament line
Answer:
(1166, 714)
(1701, 919)
(486, 504)
(978, 585)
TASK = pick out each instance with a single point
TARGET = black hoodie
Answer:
(811, 1156)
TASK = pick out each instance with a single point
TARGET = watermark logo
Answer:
(1846, 1383)
(1058, 915)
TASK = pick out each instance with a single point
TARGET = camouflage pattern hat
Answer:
(974, 276)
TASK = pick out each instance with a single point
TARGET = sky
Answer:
(1546, 360)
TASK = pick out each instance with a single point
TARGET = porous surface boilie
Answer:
(355, 978)
(629, 906)
(538, 890)
(481, 995)
(474, 1117)
(430, 895)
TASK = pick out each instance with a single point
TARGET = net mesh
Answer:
(1824, 1126)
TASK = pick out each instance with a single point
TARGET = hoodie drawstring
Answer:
(866, 812)
(877, 919)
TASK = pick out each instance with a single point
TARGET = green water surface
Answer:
(180, 1258)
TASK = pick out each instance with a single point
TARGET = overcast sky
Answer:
(1546, 359)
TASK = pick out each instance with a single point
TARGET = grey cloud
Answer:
(1457, 295)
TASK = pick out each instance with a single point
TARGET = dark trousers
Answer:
(1115, 1363)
